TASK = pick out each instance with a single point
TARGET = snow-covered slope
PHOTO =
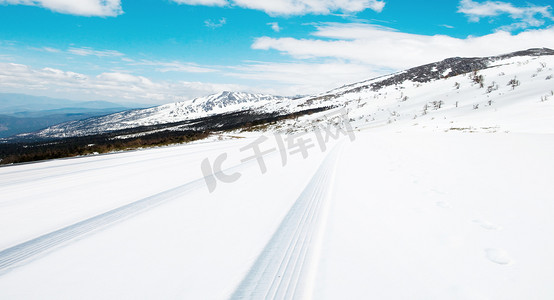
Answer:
(442, 215)
(512, 92)
(465, 93)
(224, 102)
(446, 192)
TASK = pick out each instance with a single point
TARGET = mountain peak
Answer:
(227, 102)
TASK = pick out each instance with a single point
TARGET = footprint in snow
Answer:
(498, 256)
(486, 225)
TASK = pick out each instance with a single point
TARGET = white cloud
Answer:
(100, 8)
(257, 77)
(297, 78)
(386, 48)
(48, 49)
(115, 86)
(116, 77)
(86, 51)
(81, 51)
(213, 25)
(275, 26)
(529, 16)
(296, 7)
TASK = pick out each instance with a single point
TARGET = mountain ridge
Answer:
(233, 102)
(219, 103)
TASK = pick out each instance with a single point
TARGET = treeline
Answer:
(69, 147)
(25, 150)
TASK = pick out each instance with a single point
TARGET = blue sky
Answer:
(159, 51)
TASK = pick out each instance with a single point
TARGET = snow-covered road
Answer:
(389, 216)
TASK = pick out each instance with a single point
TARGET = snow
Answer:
(403, 222)
(527, 108)
(185, 245)
(224, 102)
(452, 204)
(402, 102)
(444, 215)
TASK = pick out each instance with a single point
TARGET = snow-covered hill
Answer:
(415, 201)
(513, 92)
(443, 215)
(224, 102)
(500, 93)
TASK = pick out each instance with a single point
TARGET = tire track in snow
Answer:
(285, 267)
(15, 255)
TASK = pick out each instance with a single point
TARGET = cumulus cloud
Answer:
(386, 48)
(115, 86)
(296, 7)
(527, 16)
(298, 78)
(99, 8)
(292, 78)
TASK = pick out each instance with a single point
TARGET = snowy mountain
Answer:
(446, 192)
(466, 94)
(221, 103)
(512, 92)
(21, 113)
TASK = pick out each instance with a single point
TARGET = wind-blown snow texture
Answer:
(445, 194)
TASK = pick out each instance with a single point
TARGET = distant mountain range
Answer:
(236, 102)
(21, 113)
(217, 104)
(506, 93)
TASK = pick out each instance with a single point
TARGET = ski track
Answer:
(11, 257)
(134, 161)
(282, 271)
(20, 254)
(79, 172)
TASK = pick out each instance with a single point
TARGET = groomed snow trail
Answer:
(15, 255)
(285, 268)
(25, 252)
